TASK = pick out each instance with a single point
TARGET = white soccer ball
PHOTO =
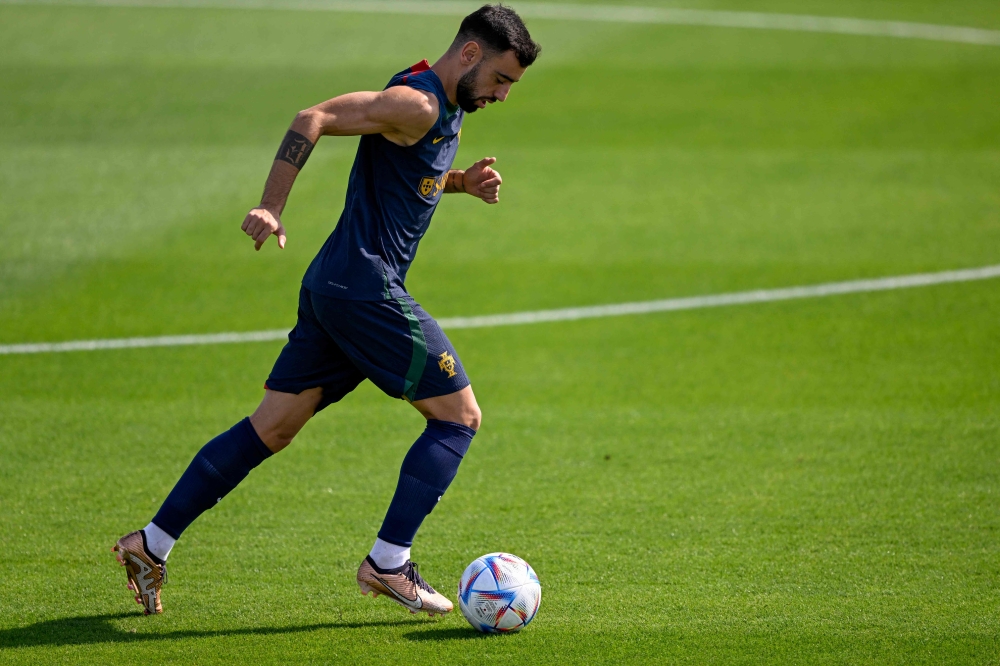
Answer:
(499, 592)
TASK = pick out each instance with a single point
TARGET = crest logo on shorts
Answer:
(447, 364)
(431, 186)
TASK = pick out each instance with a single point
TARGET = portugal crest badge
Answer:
(447, 364)
(430, 186)
(426, 186)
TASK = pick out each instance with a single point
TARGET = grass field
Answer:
(814, 481)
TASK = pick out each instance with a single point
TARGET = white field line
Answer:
(573, 12)
(561, 314)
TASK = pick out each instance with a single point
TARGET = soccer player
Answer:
(356, 320)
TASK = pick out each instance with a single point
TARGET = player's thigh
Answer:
(311, 372)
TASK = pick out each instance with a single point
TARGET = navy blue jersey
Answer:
(391, 196)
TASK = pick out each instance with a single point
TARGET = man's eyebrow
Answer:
(509, 78)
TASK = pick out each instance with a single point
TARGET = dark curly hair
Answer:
(498, 29)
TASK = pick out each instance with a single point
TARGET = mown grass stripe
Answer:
(560, 314)
(601, 13)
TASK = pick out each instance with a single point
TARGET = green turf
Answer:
(804, 482)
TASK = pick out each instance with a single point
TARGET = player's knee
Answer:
(283, 438)
(277, 435)
(467, 414)
(473, 416)
(280, 416)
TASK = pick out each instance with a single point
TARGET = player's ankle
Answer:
(388, 555)
(158, 543)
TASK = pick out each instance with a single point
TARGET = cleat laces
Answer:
(412, 573)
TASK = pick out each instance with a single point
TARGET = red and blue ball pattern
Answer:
(499, 593)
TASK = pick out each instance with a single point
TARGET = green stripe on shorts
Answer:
(419, 359)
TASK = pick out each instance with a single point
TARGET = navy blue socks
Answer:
(217, 469)
(427, 471)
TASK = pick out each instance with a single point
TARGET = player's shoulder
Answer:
(417, 86)
(410, 113)
(412, 101)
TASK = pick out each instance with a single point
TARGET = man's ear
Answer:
(470, 53)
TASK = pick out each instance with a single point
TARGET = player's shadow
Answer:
(448, 634)
(88, 629)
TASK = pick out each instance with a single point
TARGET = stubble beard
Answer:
(466, 93)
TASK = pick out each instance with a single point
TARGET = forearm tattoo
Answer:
(294, 149)
(457, 181)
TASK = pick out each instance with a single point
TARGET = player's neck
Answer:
(449, 70)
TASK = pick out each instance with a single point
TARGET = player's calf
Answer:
(217, 469)
(428, 469)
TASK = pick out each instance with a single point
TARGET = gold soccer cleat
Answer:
(404, 586)
(146, 575)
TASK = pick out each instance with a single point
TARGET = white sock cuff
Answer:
(389, 555)
(158, 542)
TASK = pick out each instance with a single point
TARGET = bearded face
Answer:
(488, 81)
(469, 97)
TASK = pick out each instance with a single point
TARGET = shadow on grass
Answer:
(448, 634)
(87, 629)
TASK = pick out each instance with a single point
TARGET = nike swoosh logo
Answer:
(440, 138)
(144, 579)
(144, 569)
(417, 603)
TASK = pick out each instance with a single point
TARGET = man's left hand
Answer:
(482, 181)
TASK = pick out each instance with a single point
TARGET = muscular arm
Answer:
(403, 115)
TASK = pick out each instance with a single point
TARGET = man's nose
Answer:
(502, 93)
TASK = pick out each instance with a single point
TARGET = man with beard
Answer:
(356, 320)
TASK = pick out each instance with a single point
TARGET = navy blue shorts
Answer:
(337, 343)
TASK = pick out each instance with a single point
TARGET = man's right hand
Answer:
(261, 223)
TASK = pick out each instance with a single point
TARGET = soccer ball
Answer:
(499, 592)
